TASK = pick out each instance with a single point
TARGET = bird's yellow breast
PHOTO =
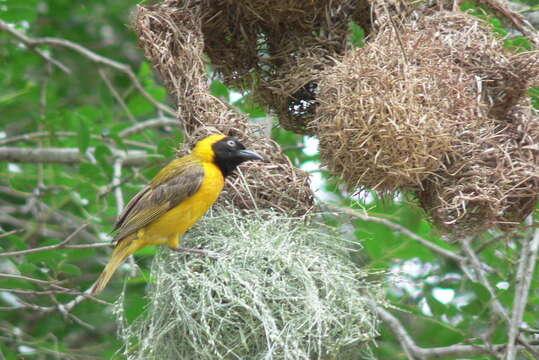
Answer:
(174, 223)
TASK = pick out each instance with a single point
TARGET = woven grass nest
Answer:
(277, 49)
(279, 290)
(439, 109)
(171, 34)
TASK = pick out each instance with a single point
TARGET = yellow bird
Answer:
(175, 199)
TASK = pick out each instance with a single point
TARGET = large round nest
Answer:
(280, 290)
(387, 125)
(435, 105)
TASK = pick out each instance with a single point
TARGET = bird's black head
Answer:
(229, 153)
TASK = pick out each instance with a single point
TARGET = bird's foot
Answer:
(197, 251)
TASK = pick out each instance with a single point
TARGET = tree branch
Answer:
(45, 248)
(69, 156)
(40, 134)
(526, 266)
(33, 42)
(141, 126)
(417, 352)
(437, 249)
(25, 39)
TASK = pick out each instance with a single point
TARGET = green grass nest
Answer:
(282, 289)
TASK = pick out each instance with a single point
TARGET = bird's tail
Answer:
(124, 248)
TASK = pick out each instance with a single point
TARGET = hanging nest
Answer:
(279, 291)
(172, 37)
(278, 48)
(434, 105)
(494, 184)
(389, 116)
(387, 125)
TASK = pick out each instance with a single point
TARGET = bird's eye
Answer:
(231, 143)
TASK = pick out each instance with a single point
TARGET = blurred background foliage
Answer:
(441, 307)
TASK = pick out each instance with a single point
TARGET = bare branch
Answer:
(39, 134)
(416, 352)
(12, 232)
(482, 279)
(33, 280)
(45, 248)
(68, 156)
(496, 305)
(437, 249)
(63, 308)
(25, 39)
(116, 95)
(32, 43)
(141, 126)
(519, 22)
(31, 227)
(116, 181)
(526, 266)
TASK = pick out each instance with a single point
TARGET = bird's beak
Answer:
(249, 155)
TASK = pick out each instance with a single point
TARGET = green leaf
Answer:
(219, 89)
(134, 306)
(473, 308)
(435, 306)
(51, 257)
(159, 93)
(248, 106)
(166, 148)
(102, 154)
(139, 105)
(70, 269)
(15, 10)
(481, 292)
(83, 135)
(27, 268)
(92, 172)
(357, 35)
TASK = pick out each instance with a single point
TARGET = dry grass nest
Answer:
(172, 38)
(279, 290)
(439, 109)
(277, 48)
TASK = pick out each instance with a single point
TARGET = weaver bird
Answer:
(175, 199)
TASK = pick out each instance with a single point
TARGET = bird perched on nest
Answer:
(175, 199)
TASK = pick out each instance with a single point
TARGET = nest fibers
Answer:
(278, 48)
(438, 109)
(172, 37)
(280, 290)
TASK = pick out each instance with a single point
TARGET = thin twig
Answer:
(141, 126)
(45, 248)
(116, 181)
(39, 134)
(438, 249)
(414, 351)
(116, 95)
(526, 266)
(12, 232)
(68, 155)
(518, 21)
(25, 39)
(33, 42)
(496, 305)
(482, 279)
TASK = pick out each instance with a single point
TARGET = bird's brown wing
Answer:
(177, 181)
